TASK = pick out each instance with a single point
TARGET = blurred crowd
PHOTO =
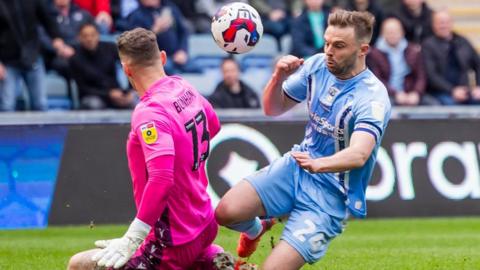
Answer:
(414, 49)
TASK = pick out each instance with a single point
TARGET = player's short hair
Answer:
(361, 21)
(140, 46)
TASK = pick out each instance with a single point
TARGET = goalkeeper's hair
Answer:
(139, 46)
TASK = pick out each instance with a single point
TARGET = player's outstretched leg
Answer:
(247, 245)
(284, 256)
(241, 203)
(239, 210)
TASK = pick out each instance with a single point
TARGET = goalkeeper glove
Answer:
(104, 243)
(117, 252)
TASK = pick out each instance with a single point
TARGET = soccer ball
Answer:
(237, 28)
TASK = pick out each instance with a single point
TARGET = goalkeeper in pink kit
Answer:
(167, 147)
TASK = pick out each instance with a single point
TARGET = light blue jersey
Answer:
(336, 109)
(317, 203)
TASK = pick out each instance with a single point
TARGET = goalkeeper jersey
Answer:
(172, 118)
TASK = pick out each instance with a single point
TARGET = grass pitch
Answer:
(428, 244)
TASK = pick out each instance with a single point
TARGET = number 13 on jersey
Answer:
(191, 126)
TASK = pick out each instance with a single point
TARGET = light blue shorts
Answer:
(316, 214)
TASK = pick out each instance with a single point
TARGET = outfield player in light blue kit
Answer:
(326, 176)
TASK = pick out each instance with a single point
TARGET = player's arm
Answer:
(275, 101)
(156, 139)
(354, 156)
(158, 149)
(159, 183)
(115, 253)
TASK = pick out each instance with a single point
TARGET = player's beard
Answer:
(343, 70)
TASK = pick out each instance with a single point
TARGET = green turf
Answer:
(371, 244)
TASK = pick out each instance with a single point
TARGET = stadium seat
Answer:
(205, 83)
(203, 45)
(267, 47)
(58, 92)
(109, 38)
(256, 78)
(256, 61)
(260, 57)
(256, 64)
(58, 96)
(286, 43)
(204, 52)
(122, 78)
(207, 62)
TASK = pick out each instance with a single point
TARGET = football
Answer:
(237, 28)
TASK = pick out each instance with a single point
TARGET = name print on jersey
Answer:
(183, 101)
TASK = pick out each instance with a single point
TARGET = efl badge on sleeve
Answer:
(149, 133)
(378, 110)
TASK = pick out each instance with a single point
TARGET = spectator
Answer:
(167, 22)
(120, 10)
(232, 92)
(308, 28)
(449, 58)
(398, 64)
(275, 17)
(416, 18)
(123, 8)
(68, 18)
(100, 9)
(211, 7)
(220, 3)
(372, 7)
(197, 20)
(20, 49)
(94, 70)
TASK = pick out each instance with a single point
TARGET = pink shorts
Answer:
(157, 254)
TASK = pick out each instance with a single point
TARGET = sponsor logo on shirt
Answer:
(149, 133)
(321, 125)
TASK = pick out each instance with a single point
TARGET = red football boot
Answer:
(247, 246)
